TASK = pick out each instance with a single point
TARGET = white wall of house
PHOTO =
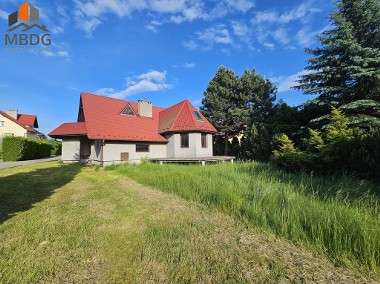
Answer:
(195, 147)
(71, 150)
(9, 127)
(200, 151)
(112, 151)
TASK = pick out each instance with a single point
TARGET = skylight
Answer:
(128, 111)
(197, 115)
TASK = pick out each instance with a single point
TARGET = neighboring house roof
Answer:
(182, 117)
(28, 119)
(28, 128)
(102, 119)
(70, 129)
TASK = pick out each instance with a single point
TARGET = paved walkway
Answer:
(5, 165)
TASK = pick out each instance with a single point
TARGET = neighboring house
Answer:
(14, 124)
(111, 130)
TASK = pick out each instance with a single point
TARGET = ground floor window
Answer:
(204, 140)
(142, 148)
(184, 140)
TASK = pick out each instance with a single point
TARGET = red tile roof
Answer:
(103, 120)
(29, 129)
(181, 118)
(69, 129)
(27, 119)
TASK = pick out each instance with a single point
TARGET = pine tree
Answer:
(222, 105)
(259, 95)
(345, 69)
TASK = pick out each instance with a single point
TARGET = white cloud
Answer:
(240, 29)
(268, 45)
(88, 26)
(60, 53)
(272, 27)
(189, 65)
(89, 14)
(281, 35)
(286, 83)
(305, 36)
(105, 91)
(151, 28)
(63, 19)
(151, 81)
(301, 12)
(191, 44)
(218, 34)
(207, 38)
(240, 5)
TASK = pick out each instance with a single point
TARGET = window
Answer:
(197, 115)
(184, 140)
(1, 123)
(142, 148)
(9, 134)
(128, 111)
(204, 140)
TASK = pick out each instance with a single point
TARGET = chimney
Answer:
(12, 113)
(145, 108)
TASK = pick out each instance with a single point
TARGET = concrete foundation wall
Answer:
(71, 150)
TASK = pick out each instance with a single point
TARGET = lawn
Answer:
(64, 223)
(338, 216)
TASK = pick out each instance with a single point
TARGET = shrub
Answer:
(287, 156)
(56, 147)
(338, 149)
(19, 148)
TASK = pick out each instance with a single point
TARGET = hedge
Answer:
(19, 149)
(56, 147)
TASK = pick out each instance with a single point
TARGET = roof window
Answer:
(197, 115)
(128, 111)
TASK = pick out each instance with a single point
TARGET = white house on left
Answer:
(14, 124)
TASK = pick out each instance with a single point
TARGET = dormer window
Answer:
(128, 111)
(197, 115)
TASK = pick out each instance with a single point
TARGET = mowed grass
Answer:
(336, 216)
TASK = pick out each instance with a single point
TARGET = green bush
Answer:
(56, 147)
(287, 156)
(19, 148)
(339, 149)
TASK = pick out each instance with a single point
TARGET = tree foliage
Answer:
(345, 69)
(235, 105)
(338, 149)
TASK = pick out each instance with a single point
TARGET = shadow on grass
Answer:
(20, 191)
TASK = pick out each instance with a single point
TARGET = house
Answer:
(14, 124)
(110, 130)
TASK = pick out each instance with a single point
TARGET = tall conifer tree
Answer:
(345, 69)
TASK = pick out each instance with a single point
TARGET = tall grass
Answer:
(338, 216)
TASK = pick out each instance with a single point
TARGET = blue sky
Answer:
(161, 50)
